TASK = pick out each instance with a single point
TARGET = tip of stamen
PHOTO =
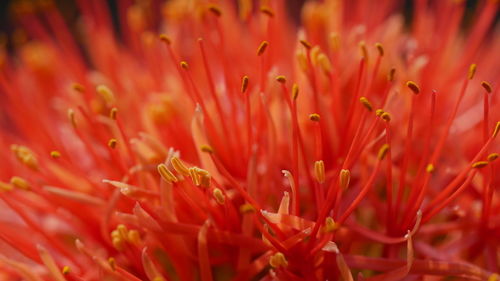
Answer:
(344, 178)
(497, 129)
(278, 260)
(366, 103)
(281, 79)
(207, 148)
(66, 270)
(391, 74)
(314, 117)
(20, 183)
(71, 117)
(383, 151)
(267, 11)
(480, 164)
(113, 112)
(112, 143)
(262, 48)
(306, 44)
(319, 171)
(215, 10)
(166, 174)
(486, 86)
(380, 49)
(78, 87)
(165, 38)
(55, 154)
(247, 208)
(295, 91)
(386, 116)
(430, 168)
(219, 196)
(364, 50)
(413, 87)
(492, 157)
(184, 65)
(244, 84)
(472, 71)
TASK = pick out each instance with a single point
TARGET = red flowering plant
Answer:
(239, 146)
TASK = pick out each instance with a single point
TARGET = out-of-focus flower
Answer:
(237, 146)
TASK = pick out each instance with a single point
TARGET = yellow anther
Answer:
(118, 243)
(112, 143)
(324, 63)
(494, 277)
(25, 156)
(386, 116)
(366, 103)
(344, 178)
(379, 112)
(278, 260)
(430, 168)
(480, 164)
(71, 117)
(246, 208)
(112, 263)
(413, 87)
(5, 186)
(179, 166)
(113, 112)
(314, 117)
(306, 44)
(295, 91)
(66, 270)
(55, 154)
(334, 41)
(122, 229)
(205, 181)
(380, 49)
(267, 11)
(184, 65)
(207, 148)
(319, 171)
(391, 74)
(492, 157)
(106, 94)
(486, 86)
(244, 84)
(281, 79)
(115, 234)
(134, 237)
(383, 151)
(219, 196)
(166, 174)
(364, 50)
(330, 225)
(20, 183)
(165, 38)
(78, 87)
(262, 48)
(472, 71)
(215, 10)
(497, 128)
(302, 60)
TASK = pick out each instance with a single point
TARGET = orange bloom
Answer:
(241, 144)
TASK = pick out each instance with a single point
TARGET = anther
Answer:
(430, 168)
(20, 183)
(179, 166)
(413, 87)
(215, 10)
(330, 225)
(244, 84)
(278, 260)
(106, 94)
(494, 277)
(366, 103)
(295, 91)
(497, 128)
(25, 156)
(113, 112)
(324, 63)
(71, 117)
(262, 48)
(5, 186)
(207, 148)
(390, 76)
(134, 237)
(492, 157)
(166, 174)
(480, 164)
(486, 86)
(281, 79)
(219, 196)
(314, 117)
(380, 49)
(55, 154)
(306, 44)
(386, 116)
(267, 11)
(112, 143)
(472, 71)
(319, 171)
(344, 178)
(379, 112)
(383, 151)
(66, 270)
(78, 87)
(112, 263)
(364, 51)
(165, 38)
(184, 65)
(246, 208)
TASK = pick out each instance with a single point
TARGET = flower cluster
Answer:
(222, 140)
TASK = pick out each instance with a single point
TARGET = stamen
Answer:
(267, 11)
(113, 112)
(383, 151)
(78, 87)
(314, 117)
(66, 270)
(330, 225)
(344, 179)
(219, 196)
(386, 116)
(480, 164)
(112, 143)
(281, 79)
(244, 84)
(71, 117)
(106, 94)
(364, 50)
(166, 174)
(184, 65)
(319, 171)
(262, 48)
(20, 183)
(112, 263)
(366, 103)
(55, 154)
(306, 44)
(496, 130)
(215, 10)
(486, 86)
(324, 63)
(430, 168)
(472, 71)
(391, 74)
(246, 208)
(278, 260)
(179, 166)
(5, 186)
(165, 38)
(380, 49)
(295, 91)
(413, 86)
(492, 157)
(207, 148)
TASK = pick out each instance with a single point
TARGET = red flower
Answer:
(241, 147)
